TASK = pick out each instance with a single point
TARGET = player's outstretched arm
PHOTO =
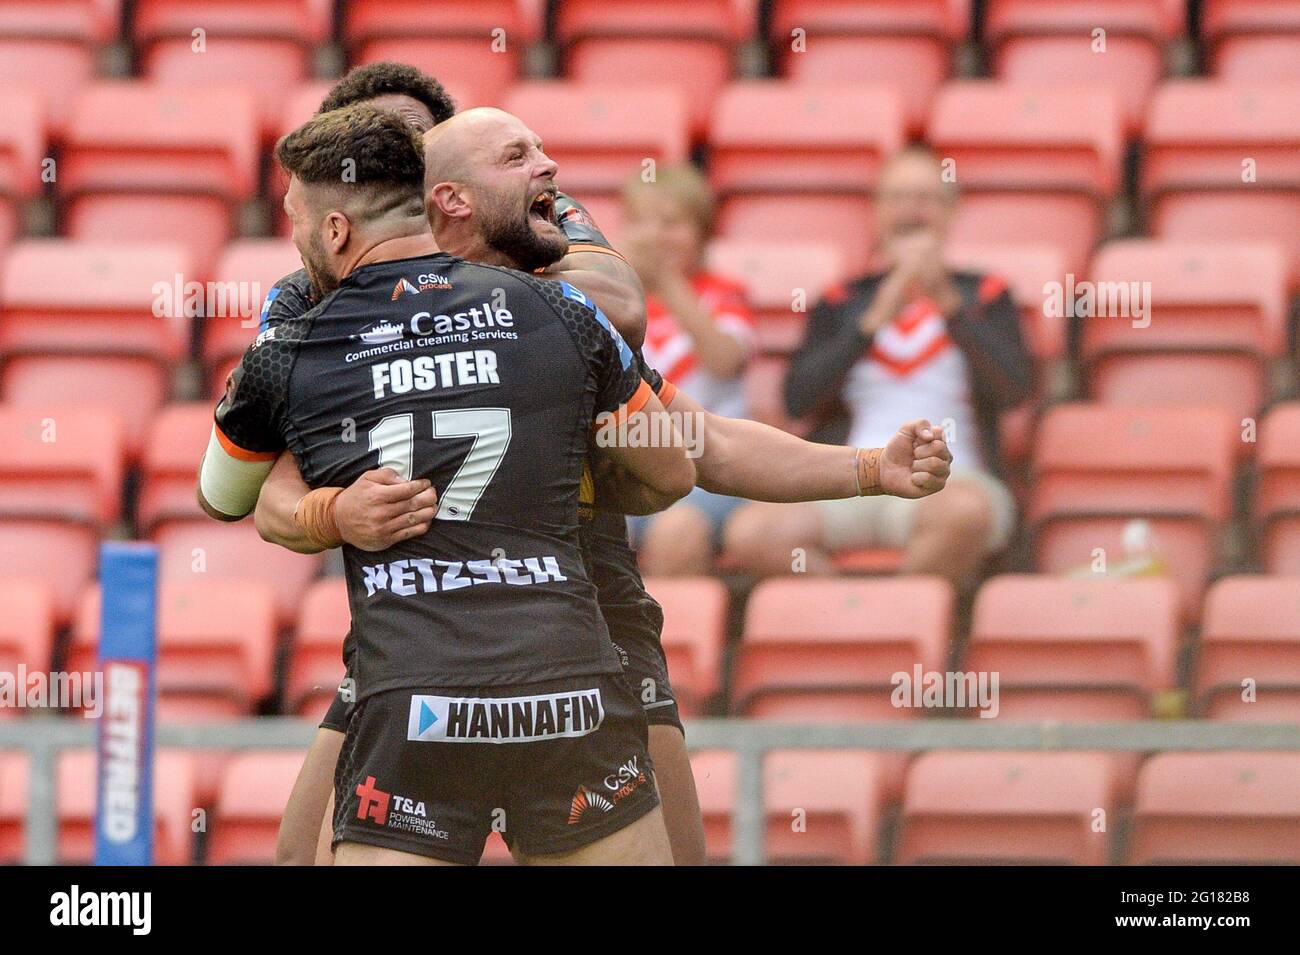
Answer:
(737, 458)
(373, 513)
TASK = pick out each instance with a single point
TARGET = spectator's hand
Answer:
(918, 257)
(916, 461)
(919, 265)
(380, 509)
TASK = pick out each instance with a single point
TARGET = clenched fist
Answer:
(916, 461)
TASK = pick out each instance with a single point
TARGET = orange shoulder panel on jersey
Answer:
(238, 453)
(629, 407)
(666, 391)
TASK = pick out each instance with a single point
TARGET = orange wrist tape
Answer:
(868, 461)
(315, 515)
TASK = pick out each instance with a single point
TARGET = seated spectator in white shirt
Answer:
(911, 339)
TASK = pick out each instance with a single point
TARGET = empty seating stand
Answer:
(1221, 160)
(147, 161)
(1116, 44)
(908, 45)
(1214, 321)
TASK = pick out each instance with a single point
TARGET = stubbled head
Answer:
(416, 97)
(672, 213)
(487, 177)
(912, 196)
(356, 177)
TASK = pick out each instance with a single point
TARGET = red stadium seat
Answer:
(173, 807)
(1277, 496)
(1114, 485)
(1010, 136)
(1249, 40)
(254, 791)
(1027, 269)
(264, 45)
(800, 160)
(788, 138)
(170, 464)
(316, 655)
(478, 76)
(1216, 314)
(783, 281)
(147, 161)
(455, 39)
(975, 808)
(694, 632)
(214, 551)
(1036, 162)
(161, 138)
(1046, 43)
(1222, 161)
(14, 772)
(1258, 59)
(822, 806)
(26, 628)
(62, 555)
(1250, 632)
(54, 38)
(132, 388)
(826, 649)
(1217, 808)
(216, 645)
(1075, 649)
(689, 43)
(248, 268)
(904, 44)
(602, 134)
(841, 220)
(105, 338)
(1066, 225)
(60, 463)
(97, 298)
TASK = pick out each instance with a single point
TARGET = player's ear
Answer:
(448, 199)
(337, 229)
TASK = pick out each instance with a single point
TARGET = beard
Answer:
(511, 233)
(315, 262)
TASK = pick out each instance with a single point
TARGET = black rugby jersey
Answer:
(487, 382)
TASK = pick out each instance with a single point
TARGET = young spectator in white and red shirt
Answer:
(699, 335)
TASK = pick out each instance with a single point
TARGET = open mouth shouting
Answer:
(542, 207)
